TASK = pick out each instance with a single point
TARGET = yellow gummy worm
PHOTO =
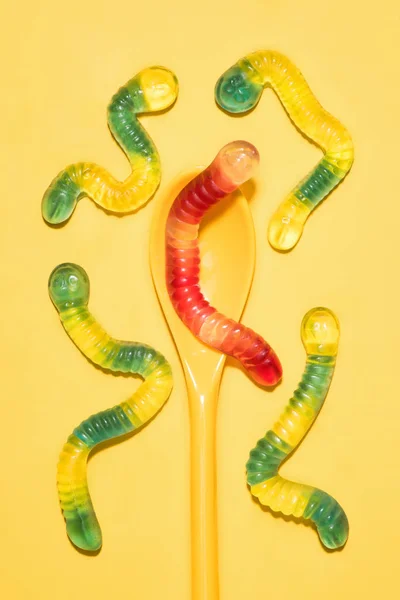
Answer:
(152, 90)
(239, 90)
(320, 336)
(69, 291)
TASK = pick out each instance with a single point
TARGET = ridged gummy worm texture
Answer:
(320, 332)
(240, 88)
(234, 164)
(151, 90)
(69, 290)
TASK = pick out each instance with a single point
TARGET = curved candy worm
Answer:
(239, 90)
(320, 336)
(152, 90)
(233, 165)
(69, 290)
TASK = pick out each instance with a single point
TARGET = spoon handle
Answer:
(203, 401)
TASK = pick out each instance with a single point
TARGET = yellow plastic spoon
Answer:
(227, 245)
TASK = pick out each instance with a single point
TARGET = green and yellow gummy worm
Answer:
(320, 336)
(239, 89)
(152, 90)
(69, 291)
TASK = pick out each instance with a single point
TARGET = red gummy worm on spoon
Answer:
(233, 165)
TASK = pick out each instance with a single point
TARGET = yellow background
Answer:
(61, 64)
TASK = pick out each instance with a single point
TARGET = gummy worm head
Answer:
(234, 164)
(69, 286)
(238, 89)
(320, 332)
(159, 86)
(60, 199)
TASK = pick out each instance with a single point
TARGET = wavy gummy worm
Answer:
(152, 90)
(69, 291)
(239, 90)
(320, 336)
(233, 165)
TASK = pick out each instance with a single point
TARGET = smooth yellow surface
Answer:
(61, 63)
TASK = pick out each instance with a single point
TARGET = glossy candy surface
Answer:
(239, 90)
(69, 291)
(152, 90)
(226, 280)
(320, 336)
(233, 165)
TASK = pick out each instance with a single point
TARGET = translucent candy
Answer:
(233, 165)
(152, 90)
(69, 291)
(239, 90)
(320, 335)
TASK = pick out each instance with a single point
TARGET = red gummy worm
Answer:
(233, 165)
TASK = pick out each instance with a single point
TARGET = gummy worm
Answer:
(69, 291)
(152, 90)
(233, 165)
(239, 90)
(320, 336)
